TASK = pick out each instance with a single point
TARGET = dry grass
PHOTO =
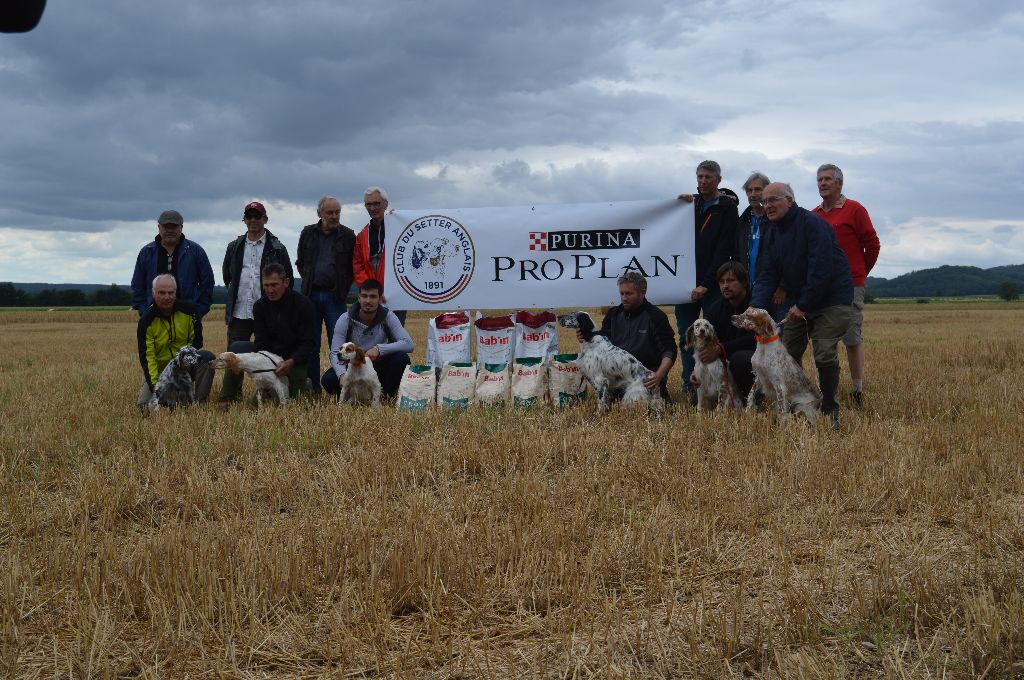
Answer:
(314, 541)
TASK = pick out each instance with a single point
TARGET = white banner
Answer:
(537, 256)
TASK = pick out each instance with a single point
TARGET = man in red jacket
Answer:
(368, 255)
(857, 237)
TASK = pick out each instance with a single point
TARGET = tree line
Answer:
(111, 296)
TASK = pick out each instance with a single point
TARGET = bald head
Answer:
(777, 197)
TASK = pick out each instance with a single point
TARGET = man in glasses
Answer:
(244, 259)
(325, 265)
(804, 258)
(715, 218)
(172, 253)
(368, 258)
(857, 236)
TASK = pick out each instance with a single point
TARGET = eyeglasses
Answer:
(771, 199)
(253, 216)
(374, 204)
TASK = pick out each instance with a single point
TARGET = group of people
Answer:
(172, 288)
(807, 266)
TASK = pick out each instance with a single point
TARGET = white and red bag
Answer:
(493, 384)
(457, 388)
(417, 389)
(536, 334)
(495, 339)
(566, 384)
(448, 339)
(529, 381)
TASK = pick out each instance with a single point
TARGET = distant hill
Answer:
(947, 280)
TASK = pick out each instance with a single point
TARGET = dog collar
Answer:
(765, 341)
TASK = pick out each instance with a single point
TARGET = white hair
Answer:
(376, 190)
(836, 172)
(165, 277)
(324, 199)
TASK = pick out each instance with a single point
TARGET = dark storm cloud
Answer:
(129, 105)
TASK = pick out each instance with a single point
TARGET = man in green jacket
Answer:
(168, 325)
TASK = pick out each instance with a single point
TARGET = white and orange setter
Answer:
(259, 367)
(777, 375)
(360, 384)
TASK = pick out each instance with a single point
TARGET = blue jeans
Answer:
(328, 310)
(686, 314)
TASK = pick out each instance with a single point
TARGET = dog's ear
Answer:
(585, 324)
(689, 339)
(765, 324)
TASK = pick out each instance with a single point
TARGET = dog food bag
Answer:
(448, 339)
(416, 391)
(529, 381)
(566, 384)
(495, 339)
(457, 388)
(536, 334)
(493, 384)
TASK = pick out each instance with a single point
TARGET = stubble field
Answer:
(319, 541)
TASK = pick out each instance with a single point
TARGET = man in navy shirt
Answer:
(804, 258)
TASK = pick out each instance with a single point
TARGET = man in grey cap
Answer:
(172, 253)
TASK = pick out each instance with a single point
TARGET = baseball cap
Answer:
(170, 217)
(257, 206)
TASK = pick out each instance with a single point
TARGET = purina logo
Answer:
(597, 239)
(434, 259)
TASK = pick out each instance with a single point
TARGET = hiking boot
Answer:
(857, 400)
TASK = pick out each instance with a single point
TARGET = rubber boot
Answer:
(828, 381)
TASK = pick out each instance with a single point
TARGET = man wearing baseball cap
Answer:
(245, 258)
(172, 253)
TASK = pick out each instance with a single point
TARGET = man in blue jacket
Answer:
(172, 253)
(804, 258)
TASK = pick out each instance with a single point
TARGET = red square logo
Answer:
(538, 240)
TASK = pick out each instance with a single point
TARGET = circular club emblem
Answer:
(434, 259)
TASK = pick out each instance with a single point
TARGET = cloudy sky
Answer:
(115, 110)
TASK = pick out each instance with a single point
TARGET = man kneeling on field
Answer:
(736, 344)
(378, 332)
(164, 328)
(284, 322)
(641, 329)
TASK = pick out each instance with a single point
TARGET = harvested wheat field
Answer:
(320, 541)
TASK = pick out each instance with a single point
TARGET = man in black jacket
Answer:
(244, 260)
(641, 329)
(715, 218)
(285, 324)
(736, 343)
(325, 265)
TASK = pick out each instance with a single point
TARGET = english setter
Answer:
(777, 374)
(360, 384)
(717, 386)
(611, 370)
(259, 366)
(175, 386)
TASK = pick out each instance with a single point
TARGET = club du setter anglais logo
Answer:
(434, 258)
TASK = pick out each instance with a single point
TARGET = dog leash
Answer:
(265, 355)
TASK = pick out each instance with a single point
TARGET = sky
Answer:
(116, 110)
